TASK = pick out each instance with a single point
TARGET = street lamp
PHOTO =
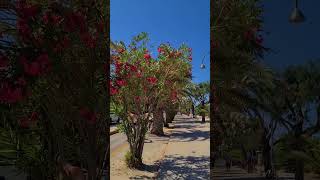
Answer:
(296, 15)
(203, 66)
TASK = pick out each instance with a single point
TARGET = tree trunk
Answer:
(136, 149)
(170, 114)
(299, 174)
(299, 169)
(165, 117)
(193, 113)
(157, 127)
(203, 113)
(92, 166)
(267, 161)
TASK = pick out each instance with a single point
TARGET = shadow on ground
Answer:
(251, 178)
(192, 121)
(147, 168)
(185, 167)
(141, 177)
(190, 135)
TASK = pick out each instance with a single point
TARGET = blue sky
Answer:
(173, 21)
(293, 44)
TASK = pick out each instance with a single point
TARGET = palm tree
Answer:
(201, 94)
(189, 92)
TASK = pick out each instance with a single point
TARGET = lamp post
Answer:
(296, 15)
(203, 66)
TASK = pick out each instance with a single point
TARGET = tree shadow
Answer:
(251, 178)
(185, 167)
(190, 135)
(186, 126)
(192, 122)
(147, 168)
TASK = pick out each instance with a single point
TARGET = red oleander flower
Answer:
(259, 40)
(120, 50)
(152, 80)
(121, 83)
(147, 56)
(115, 58)
(9, 94)
(38, 40)
(24, 29)
(74, 21)
(27, 11)
(32, 69)
(137, 98)
(133, 68)
(24, 123)
(56, 19)
(21, 81)
(174, 95)
(160, 50)
(190, 58)
(46, 18)
(4, 62)
(65, 43)
(34, 116)
(118, 66)
(113, 91)
(88, 115)
(139, 75)
(43, 60)
(88, 40)
(39, 66)
(190, 49)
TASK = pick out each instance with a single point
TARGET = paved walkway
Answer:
(219, 172)
(152, 152)
(187, 154)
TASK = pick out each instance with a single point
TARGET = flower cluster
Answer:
(43, 33)
(251, 35)
(129, 72)
(88, 115)
(137, 77)
(26, 122)
(171, 53)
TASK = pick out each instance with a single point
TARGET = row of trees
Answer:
(143, 86)
(197, 95)
(254, 107)
(53, 88)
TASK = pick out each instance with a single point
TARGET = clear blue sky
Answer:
(173, 21)
(294, 44)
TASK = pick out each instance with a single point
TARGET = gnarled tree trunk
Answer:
(203, 113)
(158, 121)
(165, 119)
(193, 111)
(170, 114)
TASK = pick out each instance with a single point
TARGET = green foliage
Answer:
(310, 154)
(77, 79)
(130, 159)
(236, 154)
(199, 110)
